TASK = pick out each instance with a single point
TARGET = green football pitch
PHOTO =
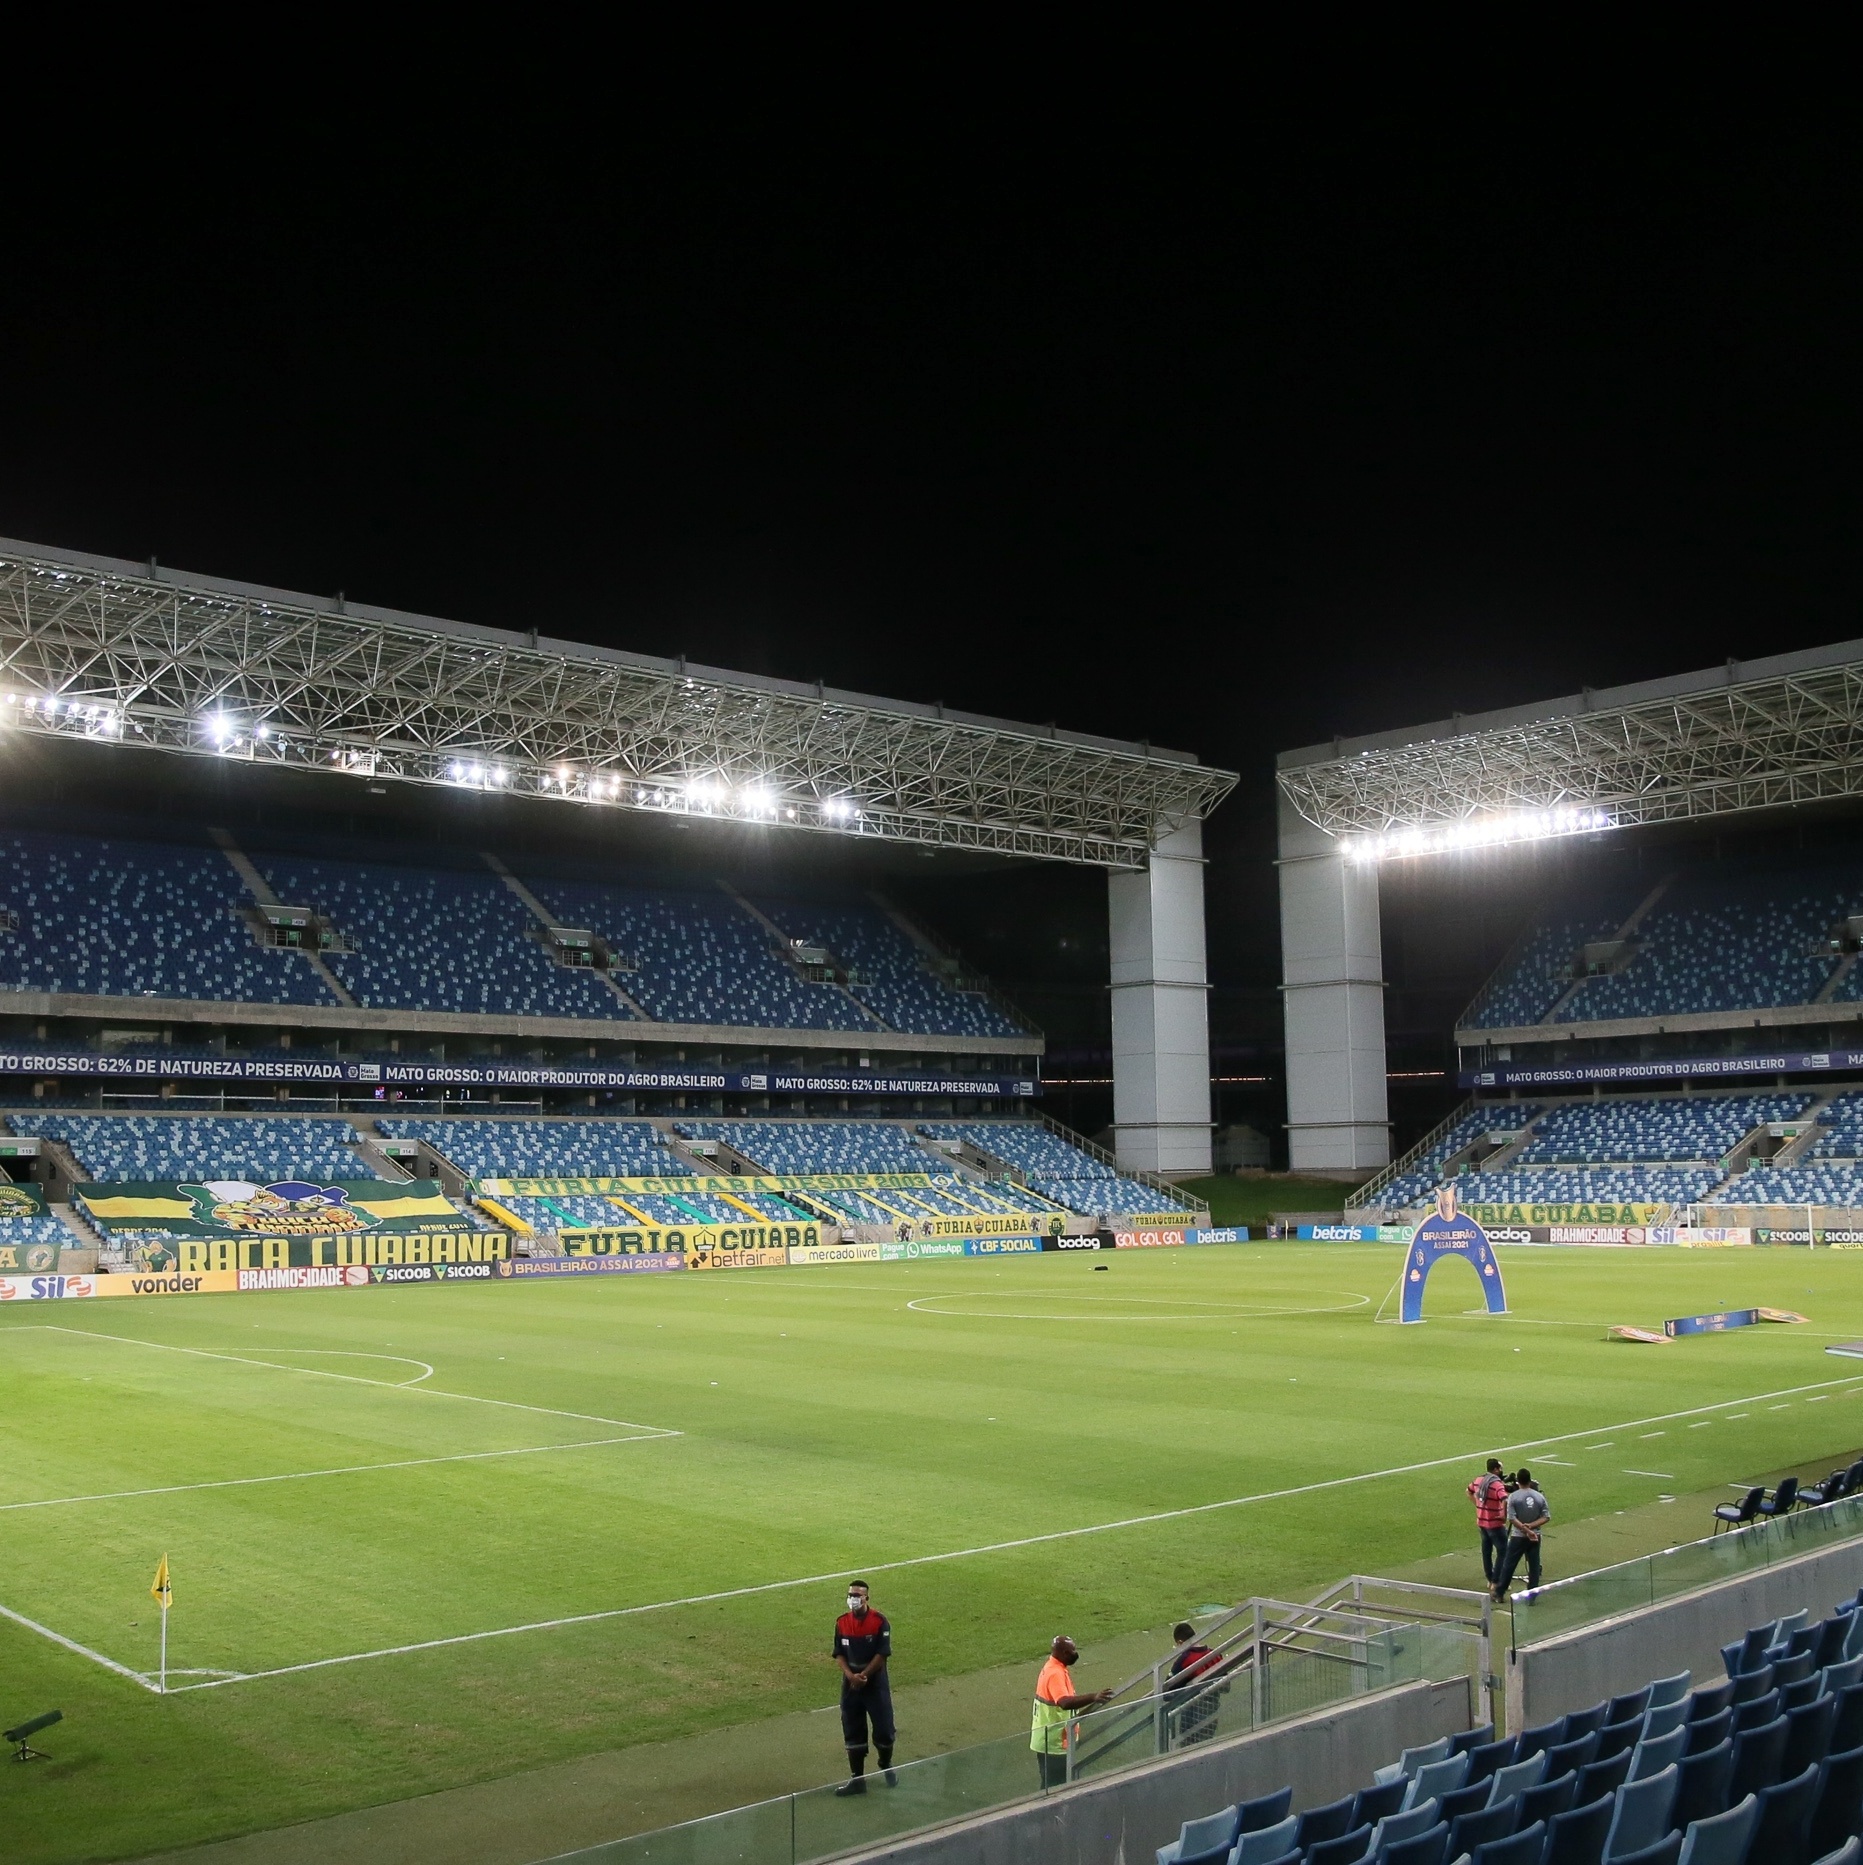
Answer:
(433, 1535)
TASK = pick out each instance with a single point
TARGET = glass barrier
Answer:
(1564, 1605)
(1331, 1657)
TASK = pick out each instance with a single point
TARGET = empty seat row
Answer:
(1658, 1776)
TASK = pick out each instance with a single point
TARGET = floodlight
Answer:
(1499, 831)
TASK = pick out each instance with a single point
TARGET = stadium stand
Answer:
(1722, 938)
(1422, 1175)
(1804, 1184)
(1590, 1185)
(802, 1146)
(701, 957)
(893, 979)
(1724, 941)
(134, 919)
(199, 1147)
(543, 1149)
(1067, 1175)
(1788, 1789)
(1672, 1128)
(432, 939)
(1841, 1119)
(126, 918)
(1535, 979)
(40, 1227)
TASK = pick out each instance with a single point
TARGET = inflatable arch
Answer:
(1446, 1232)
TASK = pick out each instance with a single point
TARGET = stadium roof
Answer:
(1750, 735)
(96, 648)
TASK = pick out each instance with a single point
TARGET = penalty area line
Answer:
(994, 1547)
(300, 1476)
(381, 1385)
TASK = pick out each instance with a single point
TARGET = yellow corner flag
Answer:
(161, 1592)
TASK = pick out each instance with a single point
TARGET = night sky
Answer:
(1229, 426)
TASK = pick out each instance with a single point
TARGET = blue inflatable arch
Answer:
(1446, 1232)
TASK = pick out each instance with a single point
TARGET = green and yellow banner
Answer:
(285, 1208)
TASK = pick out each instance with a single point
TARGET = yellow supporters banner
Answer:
(789, 1181)
(722, 1239)
(198, 1255)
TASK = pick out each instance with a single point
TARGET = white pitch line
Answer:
(71, 1644)
(380, 1385)
(300, 1476)
(1667, 1476)
(961, 1554)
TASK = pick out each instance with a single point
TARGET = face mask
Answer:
(855, 1603)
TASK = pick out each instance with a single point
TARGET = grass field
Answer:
(434, 1535)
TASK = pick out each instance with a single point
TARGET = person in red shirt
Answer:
(1489, 1494)
(863, 1641)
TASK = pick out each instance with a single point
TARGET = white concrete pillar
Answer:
(1161, 1019)
(1332, 997)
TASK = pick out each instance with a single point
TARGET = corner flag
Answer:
(161, 1592)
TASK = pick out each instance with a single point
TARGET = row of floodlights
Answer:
(1501, 831)
(90, 715)
(707, 795)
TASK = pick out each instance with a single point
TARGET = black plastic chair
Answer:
(1782, 1500)
(1539, 1804)
(1603, 1777)
(1632, 1703)
(1739, 1514)
(1839, 1812)
(1701, 1784)
(1665, 1851)
(1784, 1827)
(1807, 1736)
(1757, 1755)
(1371, 1804)
(1710, 1732)
(1330, 1821)
(1755, 1711)
(1470, 1799)
(1430, 1848)
(1521, 1848)
(1471, 1738)
(1751, 1684)
(1476, 1829)
(1540, 1736)
(1614, 1738)
(1584, 1722)
(1709, 1700)
(1848, 1733)
(1577, 1838)
(1491, 1756)
(1347, 1849)
(1269, 1810)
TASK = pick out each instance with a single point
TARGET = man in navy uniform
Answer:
(863, 1641)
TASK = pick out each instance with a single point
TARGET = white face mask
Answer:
(856, 1602)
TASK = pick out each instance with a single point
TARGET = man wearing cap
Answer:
(1056, 1703)
(863, 1641)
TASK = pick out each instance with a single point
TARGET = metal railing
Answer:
(1275, 1660)
(1366, 1195)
